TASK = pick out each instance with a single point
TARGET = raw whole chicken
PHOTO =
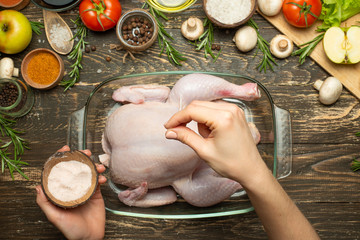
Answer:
(157, 169)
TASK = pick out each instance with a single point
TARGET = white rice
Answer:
(228, 11)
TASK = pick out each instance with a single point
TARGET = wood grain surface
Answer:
(324, 141)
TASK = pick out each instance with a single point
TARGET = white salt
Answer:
(59, 35)
(99, 71)
(228, 11)
(69, 181)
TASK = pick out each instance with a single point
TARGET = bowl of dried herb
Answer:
(42, 68)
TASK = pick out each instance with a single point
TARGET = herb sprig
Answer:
(307, 48)
(17, 143)
(174, 56)
(355, 164)
(206, 40)
(36, 27)
(263, 45)
(76, 54)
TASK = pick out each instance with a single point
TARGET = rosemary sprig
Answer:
(36, 27)
(263, 45)
(76, 54)
(355, 165)
(307, 48)
(19, 144)
(174, 56)
(206, 40)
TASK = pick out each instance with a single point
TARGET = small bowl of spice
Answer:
(137, 30)
(42, 68)
(69, 178)
(14, 4)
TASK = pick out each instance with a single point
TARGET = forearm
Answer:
(278, 213)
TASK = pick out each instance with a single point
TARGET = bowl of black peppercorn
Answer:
(137, 30)
(16, 97)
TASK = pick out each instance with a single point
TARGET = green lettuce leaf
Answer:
(333, 12)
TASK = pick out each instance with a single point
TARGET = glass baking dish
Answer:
(86, 126)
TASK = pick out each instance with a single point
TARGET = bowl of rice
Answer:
(229, 13)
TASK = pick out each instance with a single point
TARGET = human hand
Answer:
(84, 222)
(225, 141)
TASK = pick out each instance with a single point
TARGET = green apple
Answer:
(342, 45)
(15, 32)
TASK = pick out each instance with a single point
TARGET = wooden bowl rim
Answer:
(12, 6)
(25, 64)
(127, 15)
(233, 25)
(69, 156)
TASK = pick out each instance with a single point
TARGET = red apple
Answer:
(15, 32)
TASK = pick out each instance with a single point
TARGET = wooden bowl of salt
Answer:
(69, 179)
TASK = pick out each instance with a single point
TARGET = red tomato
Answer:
(100, 15)
(301, 13)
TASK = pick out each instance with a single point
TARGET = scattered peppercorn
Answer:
(108, 59)
(215, 47)
(87, 49)
(93, 48)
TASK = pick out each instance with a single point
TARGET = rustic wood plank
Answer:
(321, 183)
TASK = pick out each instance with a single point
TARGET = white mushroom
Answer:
(7, 69)
(281, 46)
(329, 90)
(270, 7)
(245, 38)
(192, 28)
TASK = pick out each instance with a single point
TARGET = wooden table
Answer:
(324, 142)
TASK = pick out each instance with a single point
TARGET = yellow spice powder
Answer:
(43, 68)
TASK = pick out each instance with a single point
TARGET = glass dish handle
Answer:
(284, 143)
(76, 129)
